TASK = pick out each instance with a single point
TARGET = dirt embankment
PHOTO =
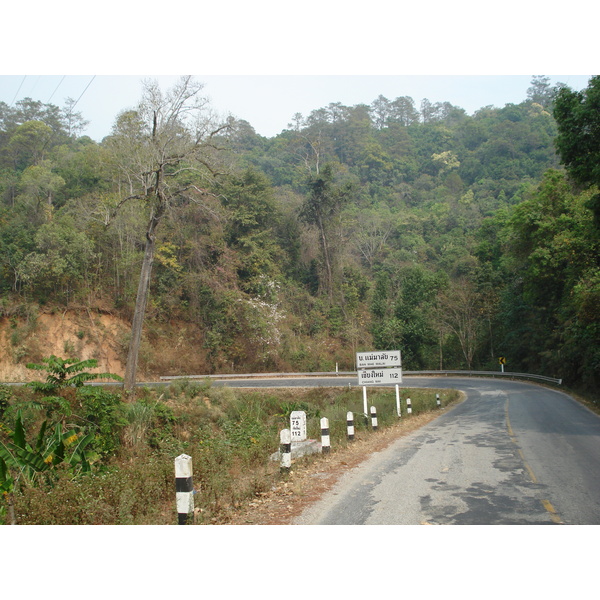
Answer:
(72, 333)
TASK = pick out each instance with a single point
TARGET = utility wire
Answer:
(54, 92)
(82, 93)
(35, 85)
(20, 86)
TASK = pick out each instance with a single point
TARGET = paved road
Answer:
(512, 453)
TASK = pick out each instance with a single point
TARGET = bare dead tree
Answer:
(163, 152)
(459, 311)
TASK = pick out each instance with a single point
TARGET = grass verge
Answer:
(229, 433)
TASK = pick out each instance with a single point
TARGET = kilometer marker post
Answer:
(374, 418)
(350, 425)
(285, 448)
(325, 439)
(184, 488)
(398, 409)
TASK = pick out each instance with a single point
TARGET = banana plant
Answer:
(20, 459)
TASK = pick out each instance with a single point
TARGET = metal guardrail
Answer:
(443, 373)
(488, 374)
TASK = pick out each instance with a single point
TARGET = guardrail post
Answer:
(350, 425)
(374, 418)
(184, 488)
(408, 407)
(285, 448)
(325, 440)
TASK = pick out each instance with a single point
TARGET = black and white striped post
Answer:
(184, 488)
(374, 418)
(439, 402)
(285, 449)
(325, 439)
(408, 406)
(350, 425)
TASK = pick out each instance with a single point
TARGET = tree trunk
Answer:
(141, 301)
(327, 258)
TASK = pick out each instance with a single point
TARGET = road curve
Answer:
(512, 453)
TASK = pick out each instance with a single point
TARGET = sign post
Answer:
(391, 358)
(392, 375)
(379, 367)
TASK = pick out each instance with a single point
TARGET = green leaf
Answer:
(59, 453)
(6, 455)
(19, 434)
(6, 481)
(25, 458)
(40, 437)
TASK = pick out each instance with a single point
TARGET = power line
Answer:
(54, 92)
(35, 84)
(20, 86)
(82, 93)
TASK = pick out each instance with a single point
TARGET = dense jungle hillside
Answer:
(455, 238)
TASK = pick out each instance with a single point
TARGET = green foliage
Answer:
(342, 231)
(67, 372)
(578, 140)
(105, 412)
(50, 449)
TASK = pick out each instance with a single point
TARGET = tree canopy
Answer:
(455, 238)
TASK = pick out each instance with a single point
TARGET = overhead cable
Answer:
(20, 86)
(54, 92)
(82, 93)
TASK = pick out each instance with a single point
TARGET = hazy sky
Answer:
(264, 61)
(268, 103)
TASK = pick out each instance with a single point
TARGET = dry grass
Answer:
(312, 477)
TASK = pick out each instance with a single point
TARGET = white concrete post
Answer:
(398, 409)
(325, 439)
(408, 406)
(374, 418)
(439, 402)
(350, 425)
(365, 404)
(285, 448)
(184, 488)
(298, 425)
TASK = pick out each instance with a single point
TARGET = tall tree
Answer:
(163, 152)
(578, 142)
(540, 91)
(459, 311)
(321, 209)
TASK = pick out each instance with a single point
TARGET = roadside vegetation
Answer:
(116, 464)
(456, 238)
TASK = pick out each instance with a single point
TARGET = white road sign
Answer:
(380, 376)
(298, 425)
(390, 358)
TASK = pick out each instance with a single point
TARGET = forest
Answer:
(457, 239)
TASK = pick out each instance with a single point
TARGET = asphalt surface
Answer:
(511, 453)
